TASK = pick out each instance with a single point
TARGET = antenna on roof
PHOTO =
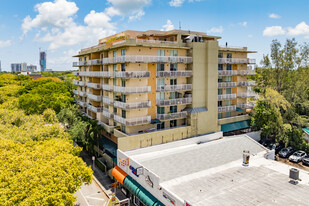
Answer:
(179, 25)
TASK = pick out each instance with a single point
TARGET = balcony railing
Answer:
(227, 72)
(130, 90)
(246, 94)
(132, 121)
(75, 82)
(174, 73)
(246, 83)
(119, 42)
(80, 63)
(107, 87)
(168, 102)
(156, 41)
(246, 106)
(107, 114)
(179, 87)
(246, 72)
(171, 116)
(82, 94)
(107, 100)
(236, 61)
(226, 84)
(132, 105)
(95, 109)
(96, 62)
(75, 92)
(93, 85)
(147, 59)
(81, 103)
(75, 73)
(226, 96)
(96, 74)
(227, 108)
(132, 74)
(97, 98)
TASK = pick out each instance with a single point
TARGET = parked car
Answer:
(297, 156)
(276, 146)
(306, 160)
(286, 152)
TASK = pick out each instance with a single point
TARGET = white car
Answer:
(297, 156)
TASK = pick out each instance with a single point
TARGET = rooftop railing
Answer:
(171, 116)
(144, 89)
(167, 102)
(236, 61)
(227, 108)
(132, 74)
(96, 98)
(179, 87)
(132, 121)
(155, 41)
(147, 59)
(226, 96)
(226, 84)
(174, 73)
(132, 105)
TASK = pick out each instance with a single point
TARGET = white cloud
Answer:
(137, 16)
(250, 35)
(216, 30)
(176, 3)
(5, 43)
(274, 31)
(274, 16)
(243, 23)
(300, 29)
(168, 26)
(55, 25)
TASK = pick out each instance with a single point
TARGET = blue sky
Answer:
(63, 27)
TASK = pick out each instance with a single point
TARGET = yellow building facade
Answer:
(153, 87)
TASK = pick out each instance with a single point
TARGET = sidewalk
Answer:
(100, 177)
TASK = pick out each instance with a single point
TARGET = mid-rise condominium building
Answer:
(16, 67)
(153, 87)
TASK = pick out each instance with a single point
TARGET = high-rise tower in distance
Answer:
(43, 61)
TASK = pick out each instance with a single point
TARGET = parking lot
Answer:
(286, 161)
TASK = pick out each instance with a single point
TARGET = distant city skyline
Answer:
(63, 27)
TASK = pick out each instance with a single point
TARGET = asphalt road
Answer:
(90, 195)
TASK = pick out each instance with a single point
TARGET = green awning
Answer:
(239, 109)
(158, 204)
(131, 185)
(145, 197)
(235, 126)
(306, 130)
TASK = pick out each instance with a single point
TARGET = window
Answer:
(123, 128)
(174, 53)
(220, 67)
(123, 114)
(123, 82)
(219, 103)
(85, 58)
(160, 52)
(173, 109)
(173, 67)
(115, 110)
(115, 67)
(160, 67)
(227, 102)
(228, 67)
(219, 115)
(228, 91)
(220, 55)
(123, 67)
(123, 98)
(229, 55)
(220, 79)
(160, 82)
(219, 91)
(228, 78)
(173, 123)
(114, 53)
(173, 82)
(160, 95)
(227, 114)
(160, 125)
(160, 110)
(115, 82)
(123, 52)
(173, 95)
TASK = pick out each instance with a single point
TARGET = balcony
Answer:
(226, 96)
(246, 72)
(107, 114)
(132, 74)
(81, 103)
(236, 61)
(246, 94)
(80, 63)
(75, 92)
(82, 94)
(132, 105)
(169, 102)
(172, 116)
(155, 41)
(107, 100)
(147, 59)
(246, 106)
(174, 73)
(226, 84)
(96, 62)
(75, 74)
(93, 85)
(132, 90)
(133, 121)
(227, 108)
(75, 82)
(107, 87)
(227, 72)
(246, 83)
(179, 87)
(96, 74)
(96, 98)
(95, 109)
